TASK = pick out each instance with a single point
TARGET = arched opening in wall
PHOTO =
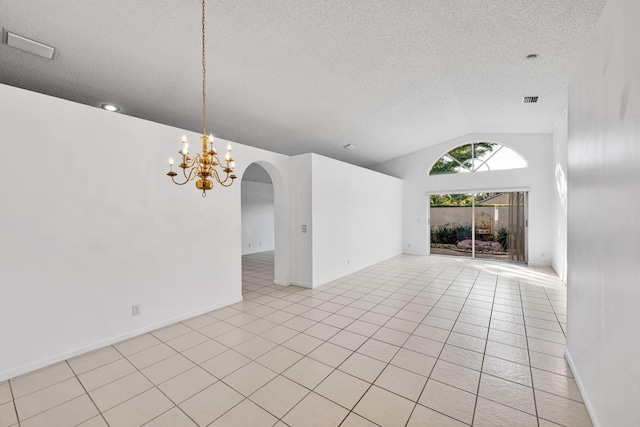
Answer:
(258, 229)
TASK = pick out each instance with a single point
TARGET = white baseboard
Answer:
(30, 367)
(541, 264)
(583, 392)
(303, 285)
(276, 282)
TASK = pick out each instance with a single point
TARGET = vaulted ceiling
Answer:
(297, 76)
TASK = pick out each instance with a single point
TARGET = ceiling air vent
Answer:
(30, 46)
(530, 99)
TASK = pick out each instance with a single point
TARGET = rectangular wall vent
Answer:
(30, 46)
(529, 99)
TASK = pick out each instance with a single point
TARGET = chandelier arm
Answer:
(217, 176)
(190, 165)
(192, 174)
(179, 183)
(187, 178)
(219, 162)
(222, 182)
(215, 161)
(184, 172)
(214, 173)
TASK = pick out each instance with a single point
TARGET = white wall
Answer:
(353, 218)
(559, 198)
(91, 225)
(258, 222)
(414, 170)
(301, 215)
(357, 218)
(603, 344)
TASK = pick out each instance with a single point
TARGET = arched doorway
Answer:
(258, 229)
(265, 216)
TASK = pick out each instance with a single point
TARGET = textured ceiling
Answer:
(297, 76)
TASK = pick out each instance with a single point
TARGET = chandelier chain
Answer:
(203, 166)
(204, 77)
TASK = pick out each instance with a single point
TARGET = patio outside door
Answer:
(479, 225)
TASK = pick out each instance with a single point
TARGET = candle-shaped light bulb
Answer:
(232, 165)
(184, 138)
(185, 148)
(229, 147)
(170, 162)
(211, 138)
(227, 157)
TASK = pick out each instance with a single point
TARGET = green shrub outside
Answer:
(452, 234)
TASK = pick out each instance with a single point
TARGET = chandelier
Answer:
(204, 166)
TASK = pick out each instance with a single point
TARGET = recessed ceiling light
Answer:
(532, 57)
(110, 107)
(349, 147)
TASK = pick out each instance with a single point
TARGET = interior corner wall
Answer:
(537, 178)
(91, 225)
(603, 348)
(559, 198)
(258, 219)
(357, 218)
(301, 221)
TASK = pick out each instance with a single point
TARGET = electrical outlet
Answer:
(304, 228)
(135, 310)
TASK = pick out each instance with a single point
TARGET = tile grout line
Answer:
(564, 332)
(13, 400)
(371, 384)
(441, 350)
(88, 395)
(44, 388)
(352, 352)
(486, 344)
(152, 383)
(520, 299)
(524, 319)
(306, 355)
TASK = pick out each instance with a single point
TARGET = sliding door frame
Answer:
(524, 190)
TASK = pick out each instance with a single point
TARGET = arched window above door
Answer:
(478, 157)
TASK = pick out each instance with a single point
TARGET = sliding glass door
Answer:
(450, 220)
(517, 227)
(479, 225)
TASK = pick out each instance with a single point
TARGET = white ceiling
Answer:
(297, 76)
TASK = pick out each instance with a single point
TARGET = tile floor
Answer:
(413, 341)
